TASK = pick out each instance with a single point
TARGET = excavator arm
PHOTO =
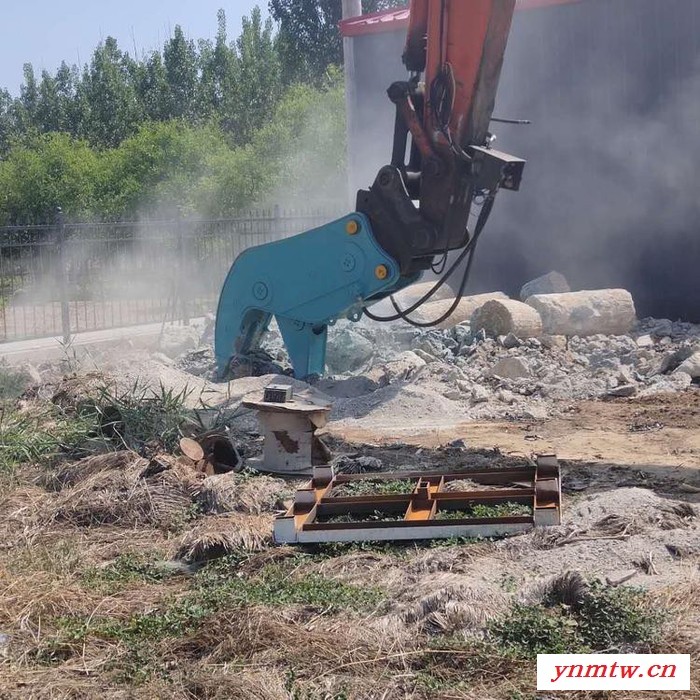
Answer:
(415, 213)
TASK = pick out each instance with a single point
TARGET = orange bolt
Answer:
(381, 272)
(352, 227)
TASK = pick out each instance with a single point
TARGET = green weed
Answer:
(605, 619)
(214, 588)
(367, 487)
(124, 570)
(485, 510)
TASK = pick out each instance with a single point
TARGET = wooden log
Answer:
(463, 312)
(504, 316)
(589, 312)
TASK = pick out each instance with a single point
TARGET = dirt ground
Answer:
(104, 591)
(662, 430)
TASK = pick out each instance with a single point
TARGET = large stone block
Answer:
(605, 311)
(505, 316)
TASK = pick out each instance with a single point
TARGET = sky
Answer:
(46, 32)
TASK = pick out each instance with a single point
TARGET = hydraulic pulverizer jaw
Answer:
(306, 283)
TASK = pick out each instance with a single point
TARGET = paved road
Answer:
(51, 348)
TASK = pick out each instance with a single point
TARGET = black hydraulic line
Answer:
(510, 121)
(428, 294)
(403, 313)
(485, 212)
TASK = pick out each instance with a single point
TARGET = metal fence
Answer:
(67, 278)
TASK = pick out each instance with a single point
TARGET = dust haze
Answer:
(608, 195)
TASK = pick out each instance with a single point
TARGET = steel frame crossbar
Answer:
(416, 514)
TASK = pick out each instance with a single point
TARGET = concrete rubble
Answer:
(463, 372)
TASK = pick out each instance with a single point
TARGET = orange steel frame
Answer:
(415, 514)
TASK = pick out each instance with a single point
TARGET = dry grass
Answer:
(226, 493)
(86, 618)
(127, 491)
(456, 608)
(225, 534)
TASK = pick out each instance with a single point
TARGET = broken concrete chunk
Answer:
(507, 317)
(624, 390)
(554, 342)
(425, 356)
(673, 360)
(600, 311)
(404, 366)
(480, 394)
(551, 283)
(463, 312)
(691, 366)
(662, 328)
(511, 341)
(348, 351)
(510, 368)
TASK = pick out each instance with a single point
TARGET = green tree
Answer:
(218, 64)
(44, 172)
(158, 168)
(108, 89)
(7, 128)
(25, 107)
(182, 73)
(249, 101)
(153, 89)
(308, 38)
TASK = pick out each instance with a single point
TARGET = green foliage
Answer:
(37, 436)
(529, 630)
(46, 171)
(484, 510)
(139, 417)
(124, 570)
(214, 588)
(168, 166)
(160, 166)
(308, 38)
(368, 487)
(611, 618)
(606, 619)
(205, 127)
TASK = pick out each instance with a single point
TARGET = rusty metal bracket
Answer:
(434, 505)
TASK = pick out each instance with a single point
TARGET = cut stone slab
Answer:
(463, 312)
(590, 312)
(503, 317)
(551, 283)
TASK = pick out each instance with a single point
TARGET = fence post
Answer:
(62, 275)
(182, 289)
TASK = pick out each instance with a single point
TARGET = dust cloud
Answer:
(608, 195)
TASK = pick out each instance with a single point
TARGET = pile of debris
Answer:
(497, 357)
